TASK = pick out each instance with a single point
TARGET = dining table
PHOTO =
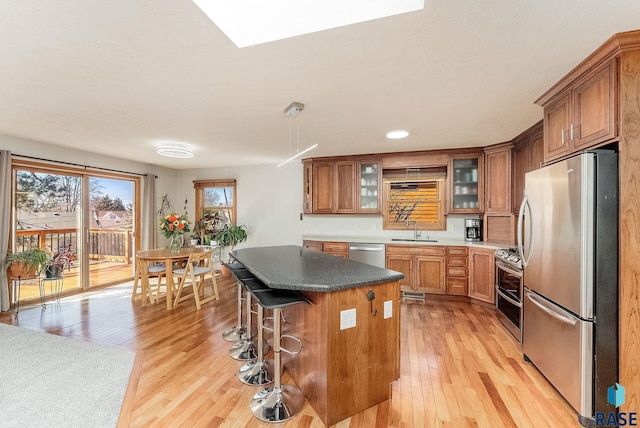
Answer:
(156, 255)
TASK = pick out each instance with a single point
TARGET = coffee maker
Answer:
(472, 229)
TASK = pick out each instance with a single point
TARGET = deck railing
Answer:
(104, 244)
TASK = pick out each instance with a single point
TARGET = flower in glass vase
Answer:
(174, 226)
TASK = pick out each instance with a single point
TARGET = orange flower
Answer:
(172, 218)
(181, 226)
(171, 227)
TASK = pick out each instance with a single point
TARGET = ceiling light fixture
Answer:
(252, 22)
(292, 110)
(397, 134)
(175, 152)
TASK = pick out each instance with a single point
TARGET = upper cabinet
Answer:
(341, 186)
(368, 182)
(528, 154)
(498, 178)
(466, 184)
(581, 113)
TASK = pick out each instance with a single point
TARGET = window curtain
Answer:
(5, 224)
(148, 217)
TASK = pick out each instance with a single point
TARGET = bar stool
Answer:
(246, 349)
(237, 333)
(279, 402)
(259, 372)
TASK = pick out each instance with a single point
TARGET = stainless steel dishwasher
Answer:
(371, 254)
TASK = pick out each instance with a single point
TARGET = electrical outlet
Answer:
(357, 226)
(347, 319)
(374, 227)
(388, 309)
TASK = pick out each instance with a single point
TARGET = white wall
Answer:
(269, 200)
(165, 184)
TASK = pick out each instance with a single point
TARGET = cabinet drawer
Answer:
(330, 247)
(457, 251)
(416, 250)
(456, 261)
(457, 271)
(457, 286)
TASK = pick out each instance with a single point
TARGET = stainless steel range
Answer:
(509, 290)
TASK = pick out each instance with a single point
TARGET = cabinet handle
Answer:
(575, 134)
(571, 132)
(562, 135)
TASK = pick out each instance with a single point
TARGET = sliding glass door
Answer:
(89, 218)
(111, 230)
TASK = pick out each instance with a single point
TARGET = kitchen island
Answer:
(350, 332)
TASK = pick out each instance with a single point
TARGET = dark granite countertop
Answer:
(295, 268)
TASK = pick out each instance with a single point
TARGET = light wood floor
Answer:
(459, 366)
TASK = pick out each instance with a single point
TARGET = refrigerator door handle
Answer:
(550, 312)
(525, 203)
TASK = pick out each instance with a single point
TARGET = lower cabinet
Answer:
(481, 274)
(457, 278)
(336, 248)
(423, 267)
(312, 245)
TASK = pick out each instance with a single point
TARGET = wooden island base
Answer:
(344, 372)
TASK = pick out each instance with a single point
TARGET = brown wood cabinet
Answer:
(345, 185)
(336, 248)
(465, 182)
(369, 186)
(457, 275)
(307, 186)
(528, 155)
(482, 274)
(498, 178)
(312, 245)
(423, 267)
(581, 114)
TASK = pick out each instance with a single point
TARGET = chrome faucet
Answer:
(416, 234)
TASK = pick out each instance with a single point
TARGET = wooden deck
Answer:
(103, 273)
(459, 367)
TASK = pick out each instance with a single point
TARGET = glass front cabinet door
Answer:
(466, 178)
(368, 185)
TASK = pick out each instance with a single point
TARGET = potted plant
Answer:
(230, 236)
(28, 263)
(206, 227)
(61, 260)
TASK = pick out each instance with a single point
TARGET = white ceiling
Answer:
(116, 77)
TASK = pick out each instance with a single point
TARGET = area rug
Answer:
(54, 381)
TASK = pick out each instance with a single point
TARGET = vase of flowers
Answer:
(173, 227)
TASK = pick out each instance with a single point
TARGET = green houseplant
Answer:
(230, 236)
(28, 263)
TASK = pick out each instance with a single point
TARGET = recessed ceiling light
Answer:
(251, 22)
(397, 134)
(175, 152)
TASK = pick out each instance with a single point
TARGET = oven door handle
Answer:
(508, 298)
(508, 269)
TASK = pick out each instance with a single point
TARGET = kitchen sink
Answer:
(413, 240)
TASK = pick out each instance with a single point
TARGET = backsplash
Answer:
(371, 226)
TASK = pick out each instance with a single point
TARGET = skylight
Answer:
(252, 22)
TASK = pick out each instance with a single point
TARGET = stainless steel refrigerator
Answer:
(568, 241)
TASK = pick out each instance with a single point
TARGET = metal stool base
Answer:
(234, 334)
(247, 350)
(258, 373)
(277, 404)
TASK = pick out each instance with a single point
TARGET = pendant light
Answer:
(292, 111)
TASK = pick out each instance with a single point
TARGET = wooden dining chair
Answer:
(155, 270)
(194, 274)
